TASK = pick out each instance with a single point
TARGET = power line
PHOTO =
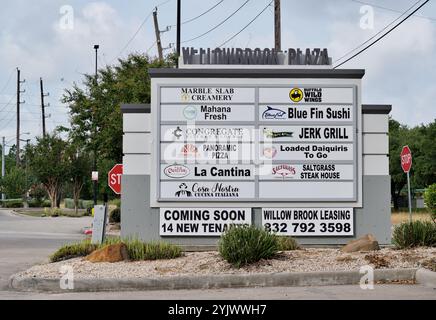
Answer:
(392, 10)
(139, 29)
(379, 32)
(377, 40)
(7, 124)
(246, 26)
(200, 15)
(7, 104)
(218, 25)
(151, 47)
(8, 81)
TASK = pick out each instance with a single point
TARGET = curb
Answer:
(294, 279)
(426, 278)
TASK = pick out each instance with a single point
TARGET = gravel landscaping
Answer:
(207, 263)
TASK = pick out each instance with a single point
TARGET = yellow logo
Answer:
(185, 97)
(296, 95)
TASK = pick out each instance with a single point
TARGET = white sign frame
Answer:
(354, 83)
(166, 233)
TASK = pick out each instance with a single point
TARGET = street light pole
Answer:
(3, 162)
(95, 183)
(26, 171)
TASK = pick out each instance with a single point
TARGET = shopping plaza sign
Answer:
(288, 146)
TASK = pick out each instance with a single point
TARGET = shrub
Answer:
(69, 203)
(116, 202)
(46, 204)
(430, 200)
(115, 216)
(82, 204)
(86, 204)
(71, 251)
(136, 249)
(55, 212)
(414, 234)
(13, 203)
(241, 245)
(287, 244)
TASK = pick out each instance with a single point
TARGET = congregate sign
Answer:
(257, 143)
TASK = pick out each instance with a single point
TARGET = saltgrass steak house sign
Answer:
(266, 144)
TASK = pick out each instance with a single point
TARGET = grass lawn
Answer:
(41, 213)
(399, 217)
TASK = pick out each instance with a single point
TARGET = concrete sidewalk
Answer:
(286, 279)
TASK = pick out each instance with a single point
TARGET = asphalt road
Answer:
(25, 241)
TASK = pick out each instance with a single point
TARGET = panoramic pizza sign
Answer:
(258, 144)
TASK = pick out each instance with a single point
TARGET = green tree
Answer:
(423, 139)
(49, 164)
(14, 183)
(430, 200)
(96, 120)
(79, 168)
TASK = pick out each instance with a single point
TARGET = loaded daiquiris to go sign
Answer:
(254, 143)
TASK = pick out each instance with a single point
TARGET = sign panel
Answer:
(289, 171)
(204, 152)
(306, 133)
(207, 133)
(201, 221)
(314, 152)
(207, 172)
(205, 95)
(306, 113)
(207, 190)
(310, 95)
(305, 191)
(309, 221)
(207, 112)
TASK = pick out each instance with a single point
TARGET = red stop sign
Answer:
(114, 178)
(406, 159)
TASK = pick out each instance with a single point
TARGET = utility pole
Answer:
(277, 26)
(19, 102)
(3, 162)
(157, 31)
(179, 26)
(43, 95)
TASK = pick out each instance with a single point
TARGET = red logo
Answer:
(269, 152)
(284, 171)
(189, 150)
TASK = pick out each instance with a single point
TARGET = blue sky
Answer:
(400, 69)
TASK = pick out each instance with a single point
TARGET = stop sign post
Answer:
(114, 178)
(406, 165)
